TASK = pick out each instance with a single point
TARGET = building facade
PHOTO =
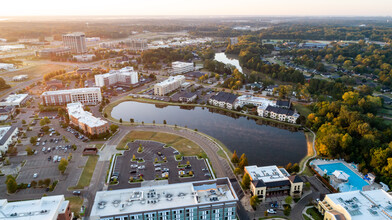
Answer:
(211, 199)
(85, 120)
(87, 96)
(126, 76)
(137, 44)
(281, 114)
(223, 100)
(76, 42)
(50, 52)
(269, 181)
(181, 67)
(16, 100)
(8, 136)
(170, 84)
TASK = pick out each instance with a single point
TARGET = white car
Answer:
(35, 175)
(271, 211)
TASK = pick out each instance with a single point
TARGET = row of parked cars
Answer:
(77, 134)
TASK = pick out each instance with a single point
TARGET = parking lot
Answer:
(126, 168)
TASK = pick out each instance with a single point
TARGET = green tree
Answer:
(254, 201)
(164, 122)
(23, 121)
(33, 140)
(114, 127)
(29, 150)
(288, 199)
(63, 165)
(246, 181)
(132, 120)
(120, 120)
(243, 162)
(12, 186)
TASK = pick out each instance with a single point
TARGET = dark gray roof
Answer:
(195, 74)
(258, 183)
(225, 97)
(278, 183)
(295, 179)
(281, 103)
(6, 109)
(188, 95)
(278, 110)
(7, 135)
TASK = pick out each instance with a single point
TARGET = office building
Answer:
(85, 120)
(76, 42)
(126, 76)
(46, 208)
(181, 67)
(87, 96)
(357, 205)
(14, 100)
(169, 85)
(137, 44)
(8, 136)
(223, 100)
(51, 52)
(211, 199)
(84, 57)
(269, 181)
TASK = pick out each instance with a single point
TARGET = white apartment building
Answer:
(211, 199)
(46, 208)
(181, 67)
(87, 96)
(253, 100)
(76, 42)
(223, 100)
(170, 84)
(14, 100)
(277, 113)
(7, 137)
(126, 75)
(85, 120)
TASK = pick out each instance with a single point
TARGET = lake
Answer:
(263, 144)
(222, 57)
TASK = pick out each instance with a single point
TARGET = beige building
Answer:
(76, 42)
(170, 84)
(271, 181)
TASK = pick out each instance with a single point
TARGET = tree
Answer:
(243, 162)
(29, 150)
(191, 173)
(164, 122)
(134, 157)
(188, 163)
(120, 120)
(33, 140)
(132, 120)
(288, 199)
(63, 165)
(234, 157)
(246, 181)
(254, 201)
(33, 183)
(105, 115)
(47, 182)
(12, 186)
(23, 121)
(113, 128)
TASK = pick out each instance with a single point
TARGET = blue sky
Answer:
(197, 7)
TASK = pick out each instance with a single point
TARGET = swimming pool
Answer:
(355, 182)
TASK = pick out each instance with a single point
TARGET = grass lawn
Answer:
(75, 202)
(99, 146)
(314, 213)
(183, 145)
(306, 217)
(302, 109)
(87, 173)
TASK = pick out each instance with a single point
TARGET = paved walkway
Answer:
(314, 153)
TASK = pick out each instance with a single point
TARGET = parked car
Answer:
(271, 211)
(76, 193)
(35, 175)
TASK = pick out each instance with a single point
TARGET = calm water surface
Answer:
(263, 144)
(222, 57)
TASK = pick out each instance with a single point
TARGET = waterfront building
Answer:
(76, 42)
(8, 135)
(169, 85)
(14, 100)
(281, 114)
(85, 120)
(87, 96)
(188, 97)
(181, 67)
(269, 181)
(125, 76)
(48, 208)
(253, 100)
(357, 205)
(223, 100)
(210, 199)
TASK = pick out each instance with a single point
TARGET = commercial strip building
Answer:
(14, 100)
(181, 67)
(223, 100)
(7, 137)
(126, 75)
(76, 42)
(357, 205)
(170, 84)
(270, 181)
(48, 208)
(87, 96)
(85, 120)
(211, 199)
(50, 52)
(6, 112)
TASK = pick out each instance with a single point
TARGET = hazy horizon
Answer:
(334, 8)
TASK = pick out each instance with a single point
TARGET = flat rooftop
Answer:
(364, 205)
(124, 71)
(45, 208)
(171, 80)
(5, 133)
(259, 101)
(267, 173)
(136, 200)
(178, 64)
(15, 98)
(67, 91)
(76, 110)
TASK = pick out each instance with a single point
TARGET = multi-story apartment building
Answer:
(48, 208)
(85, 120)
(170, 84)
(181, 67)
(125, 76)
(210, 199)
(271, 181)
(281, 114)
(76, 42)
(137, 44)
(87, 96)
(223, 100)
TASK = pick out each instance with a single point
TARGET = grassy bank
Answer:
(75, 203)
(87, 173)
(302, 109)
(184, 146)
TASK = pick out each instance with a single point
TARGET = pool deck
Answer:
(350, 166)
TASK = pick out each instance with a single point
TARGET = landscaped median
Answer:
(87, 173)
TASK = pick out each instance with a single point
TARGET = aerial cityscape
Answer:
(177, 110)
